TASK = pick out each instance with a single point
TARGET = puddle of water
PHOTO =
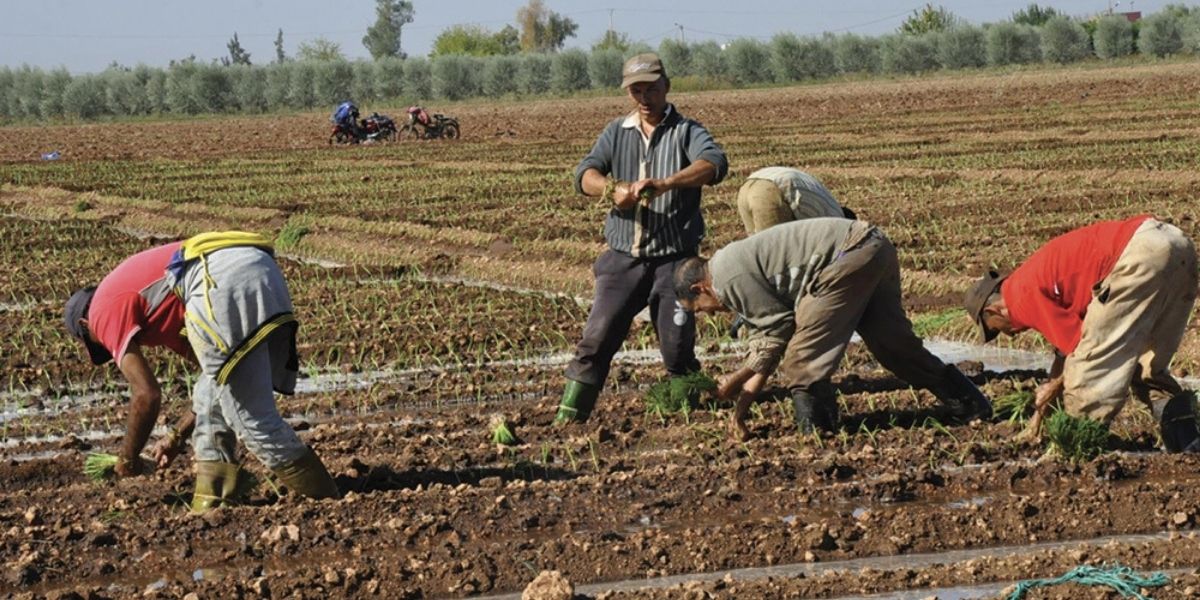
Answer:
(969, 502)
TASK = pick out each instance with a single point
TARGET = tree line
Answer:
(930, 39)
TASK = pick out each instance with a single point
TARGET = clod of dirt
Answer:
(549, 585)
(278, 533)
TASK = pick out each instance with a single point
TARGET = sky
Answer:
(88, 35)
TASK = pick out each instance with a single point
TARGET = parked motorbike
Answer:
(439, 126)
(376, 127)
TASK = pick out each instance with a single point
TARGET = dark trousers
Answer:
(624, 286)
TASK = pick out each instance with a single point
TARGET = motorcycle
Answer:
(439, 126)
(376, 127)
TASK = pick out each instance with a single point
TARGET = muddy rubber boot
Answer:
(811, 412)
(577, 402)
(218, 483)
(962, 398)
(1177, 423)
(307, 476)
(828, 416)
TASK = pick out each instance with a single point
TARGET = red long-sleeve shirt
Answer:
(1050, 293)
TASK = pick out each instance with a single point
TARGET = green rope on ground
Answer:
(1124, 580)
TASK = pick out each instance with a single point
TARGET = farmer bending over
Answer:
(803, 289)
(220, 300)
(648, 168)
(775, 195)
(1113, 299)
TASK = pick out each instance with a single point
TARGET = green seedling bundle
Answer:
(678, 394)
(1075, 438)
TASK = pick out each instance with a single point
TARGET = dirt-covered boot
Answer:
(1177, 423)
(577, 402)
(308, 476)
(964, 401)
(813, 412)
(219, 483)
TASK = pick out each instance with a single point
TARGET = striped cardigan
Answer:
(671, 225)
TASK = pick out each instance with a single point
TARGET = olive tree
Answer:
(1064, 40)
(1113, 37)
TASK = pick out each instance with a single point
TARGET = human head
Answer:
(642, 68)
(75, 319)
(985, 305)
(647, 84)
(693, 287)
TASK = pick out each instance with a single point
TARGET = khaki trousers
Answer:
(860, 291)
(760, 205)
(1133, 325)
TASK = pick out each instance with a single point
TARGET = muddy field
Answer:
(441, 285)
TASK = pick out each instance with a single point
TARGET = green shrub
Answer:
(961, 47)
(1064, 40)
(1113, 37)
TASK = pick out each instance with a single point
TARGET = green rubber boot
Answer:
(577, 402)
(219, 483)
(308, 476)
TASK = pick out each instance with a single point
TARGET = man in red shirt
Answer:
(1113, 299)
(219, 300)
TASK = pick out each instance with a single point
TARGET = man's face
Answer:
(997, 319)
(705, 302)
(650, 97)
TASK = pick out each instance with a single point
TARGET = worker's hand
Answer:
(738, 431)
(729, 386)
(1043, 399)
(646, 189)
(166, 450)
(130, 468)
(623, 197)
(1047, 393)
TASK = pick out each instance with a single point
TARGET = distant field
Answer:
(961, 172)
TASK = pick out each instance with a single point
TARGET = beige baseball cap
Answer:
(642, 68)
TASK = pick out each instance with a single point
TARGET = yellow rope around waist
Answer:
(205, 243)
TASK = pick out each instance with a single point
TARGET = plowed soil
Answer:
(445, 296)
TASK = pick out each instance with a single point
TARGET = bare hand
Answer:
(728, 387)
(738, 430)
(622, 198)
(129, 468)
(646, 189)
(1046, 394)
(166, 450)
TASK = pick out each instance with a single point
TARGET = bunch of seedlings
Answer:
(1076, 439)
(678, 394)
(100, 466)
(1015, 407)
(502, 431)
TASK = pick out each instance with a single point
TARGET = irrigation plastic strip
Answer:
(907, 561)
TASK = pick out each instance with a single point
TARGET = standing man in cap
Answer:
(775, 195)
(648, 166)
(1113, 299)
(803, 289)
(220, 300)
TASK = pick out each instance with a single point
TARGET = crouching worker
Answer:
(220, 300)
(775, 195)
(803, 288)
(1113, 299)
